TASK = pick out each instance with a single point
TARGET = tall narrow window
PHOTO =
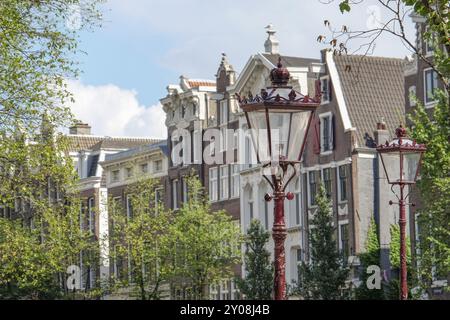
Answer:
(213, 184)
(185, 190)
(343, 183)
(175, 194)
(312, 187)
(326, 133)
(91, 212)
(235, 184)
(129, 207)
(327, 181)
(223, 111)
(325, 87)
(224, 182)
(345, 242)
(431, 84)
(297, 202)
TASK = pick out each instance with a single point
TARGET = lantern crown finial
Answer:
(280, 75)
(400, 132)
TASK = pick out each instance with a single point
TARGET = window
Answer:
(266, 214)
(326, 133)
(343, 183)
(345, 249)
(158, 165)
(312, 187)
(250, 206)
(412, 96)
(185, 189)
(235, 181)
(175, 194)
(299, 256)
(213, 184)
(144, 167)
(223, 139)
(429, 43)
(224, 182)
(158, 196)
(223, 112)
(431, 84)
(115, 175)
(129, 172)
(326, 89)
(183, 111)
(327, 181)
(91, 212)
(129, 207)
(194, 109)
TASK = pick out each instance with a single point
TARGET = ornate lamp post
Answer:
(279, 119)
(401, 161)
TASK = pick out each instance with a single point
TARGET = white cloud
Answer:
(114, 111)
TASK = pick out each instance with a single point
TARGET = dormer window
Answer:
(326, 89)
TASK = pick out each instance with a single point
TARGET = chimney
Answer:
(80, 129)
(381, 134)
(271, 45)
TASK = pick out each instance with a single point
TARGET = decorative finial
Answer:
(400, 132)
(280, 75)
(271, 45)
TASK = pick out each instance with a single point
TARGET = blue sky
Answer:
(146, 44)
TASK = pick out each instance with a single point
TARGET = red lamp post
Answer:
(279, 119)
(401, 161)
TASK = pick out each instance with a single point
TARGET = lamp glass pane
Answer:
(258, 130)
(410, 166)
(391, 163)
(288, 131)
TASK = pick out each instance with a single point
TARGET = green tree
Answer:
(258, 281)
(393, 287)
(206, 243)
(368, 258)
(141, 239)
(324, 277)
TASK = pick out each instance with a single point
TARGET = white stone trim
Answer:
(338, 90)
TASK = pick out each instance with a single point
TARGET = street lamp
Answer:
(278, 120)
(401, 161)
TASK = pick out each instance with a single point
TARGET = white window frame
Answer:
(175, 194)
(325, 98)
(224, 182)
(235, 181)
(223, 138)
(213, 178)
(297, 197)
(329, 117)
(427, 43)
(425, 90)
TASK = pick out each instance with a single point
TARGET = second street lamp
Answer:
(401, 161)
(279, 119)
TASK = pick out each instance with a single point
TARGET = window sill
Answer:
(326, 153)
(430, 104)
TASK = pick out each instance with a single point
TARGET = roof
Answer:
(138, 150)
(373, 88)
(289, 61)
(90, 142)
